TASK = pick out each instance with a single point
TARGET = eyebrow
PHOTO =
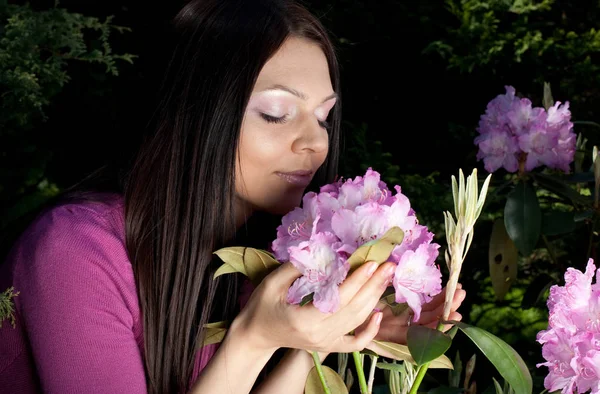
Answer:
(299, 94)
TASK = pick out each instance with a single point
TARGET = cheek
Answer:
(260, 148)
(261, 153)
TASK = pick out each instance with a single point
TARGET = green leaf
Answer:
(502, 260)
(214, 332)
(399, 352)
(254, 263)
(523, 218)
(535, 290)
(561, 188)
(469, 370)
(580, 177)
(499, 389)
(307, 298)
(558, 222)
(377, 251)
(454, 375)
(334, 382)
(391, 367)
(452, 332)
(506, 360)
(390, 301)
(494, 389)
(426, 344)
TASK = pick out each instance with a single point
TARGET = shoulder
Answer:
(83, 228)
(77, 249)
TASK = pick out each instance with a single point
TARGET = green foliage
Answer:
(7, 308)
(491, 33)
(35, 50)
(538, 40)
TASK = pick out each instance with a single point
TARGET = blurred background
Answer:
(77, 79)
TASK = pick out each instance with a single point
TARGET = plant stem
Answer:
(372, 374)
(591, 239)
(317, 361)
(423, 369)
(362, 382)
(420, 375)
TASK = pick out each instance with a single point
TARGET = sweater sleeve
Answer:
(79, 304)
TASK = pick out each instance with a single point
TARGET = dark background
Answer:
(410, 107)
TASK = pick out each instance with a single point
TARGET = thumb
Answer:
(285, 275)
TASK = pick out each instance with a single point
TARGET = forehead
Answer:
(299, 64)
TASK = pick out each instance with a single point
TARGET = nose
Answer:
(311, 137)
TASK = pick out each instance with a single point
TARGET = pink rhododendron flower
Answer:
(498, 150)
(511, 130)
(297, 225)
(322, 268)
(319, 237)
(417, 278)
(571, 344)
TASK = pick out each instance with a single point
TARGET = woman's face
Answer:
(284, 136)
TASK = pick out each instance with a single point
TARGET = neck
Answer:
(243, 211)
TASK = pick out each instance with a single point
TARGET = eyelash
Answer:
(273, 119)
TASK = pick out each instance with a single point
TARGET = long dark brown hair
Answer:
(179, 193)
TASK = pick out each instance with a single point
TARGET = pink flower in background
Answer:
(512, 130)
(495, 118)
(319, 237)
(571, 344)
(522, 116)
(539, 145)
(498, 149)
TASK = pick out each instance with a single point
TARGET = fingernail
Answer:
(389, 270)
(387, 282)
(371, 270)
(378, 318)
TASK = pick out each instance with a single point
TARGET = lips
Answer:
(297, 178)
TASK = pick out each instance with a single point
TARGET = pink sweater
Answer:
(78, 326)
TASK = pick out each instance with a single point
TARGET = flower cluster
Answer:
(571, 344)
(512, 131)
(319, 237)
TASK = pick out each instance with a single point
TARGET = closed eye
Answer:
(273, 119)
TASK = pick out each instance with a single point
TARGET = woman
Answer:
(114, 287)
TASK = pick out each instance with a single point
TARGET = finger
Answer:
(439, 298)
(356, 280)
(436, 301)
(429, 315)
(453, 316)
(353, 343)
(363, 302)
(392, 333)
(284, 276)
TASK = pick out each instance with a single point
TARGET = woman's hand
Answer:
(394, 328)
(268, 321)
